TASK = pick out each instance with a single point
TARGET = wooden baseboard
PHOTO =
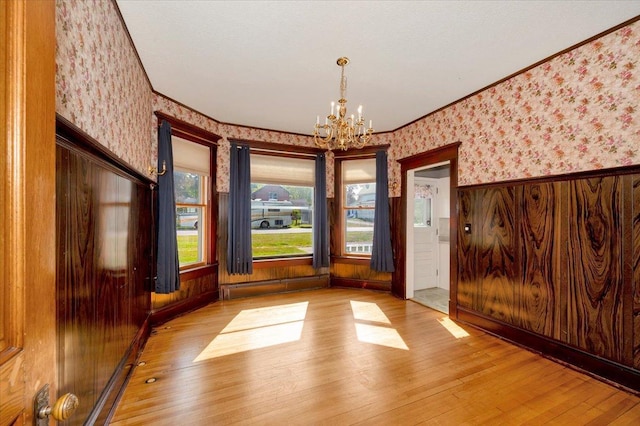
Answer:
(106, 405)
(260, 288)
(608, 371)
(365, 284)
(166, 313)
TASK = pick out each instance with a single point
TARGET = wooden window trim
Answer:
(351, 260)
(198, 271)
(338, 224)
(182, 129)
(278, 150)
(282, 262)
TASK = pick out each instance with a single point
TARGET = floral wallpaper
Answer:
(100, 85)
(576, 112)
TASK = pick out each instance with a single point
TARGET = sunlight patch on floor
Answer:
(382, 335)
(366, 311)
(453, 328)
(258, 328)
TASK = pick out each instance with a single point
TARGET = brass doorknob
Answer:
(62, 409)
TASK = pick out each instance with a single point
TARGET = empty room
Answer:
(320, 212)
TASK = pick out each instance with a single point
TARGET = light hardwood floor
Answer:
(341, 357)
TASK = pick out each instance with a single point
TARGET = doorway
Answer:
(427, 231)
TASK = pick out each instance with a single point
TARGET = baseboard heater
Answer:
(258, 288)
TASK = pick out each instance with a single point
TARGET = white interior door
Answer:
(425, 241)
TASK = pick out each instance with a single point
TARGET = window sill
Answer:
(282, 262)
(198, 271)
(351, 260)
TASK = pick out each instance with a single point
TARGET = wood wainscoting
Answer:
(554, 264)
(198, 288)
(104, 231)
(261, 288)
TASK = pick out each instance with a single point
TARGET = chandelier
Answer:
(338, 130)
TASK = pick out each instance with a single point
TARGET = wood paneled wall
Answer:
(198, 288)
(104, 253)
(596, 299)
(636, 272)
(205, 285)
(398, 243)
(556, 259)
(539, 301)
(345, 274)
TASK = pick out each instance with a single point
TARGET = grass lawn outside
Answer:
(187, 249)
(281, 244)
(268, 244)
(359, 236)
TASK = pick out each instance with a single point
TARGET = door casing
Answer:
(28, 329)
(431, 157)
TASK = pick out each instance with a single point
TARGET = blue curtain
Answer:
(239, 255)
(168, 274)
(382, 252)
(320, 223)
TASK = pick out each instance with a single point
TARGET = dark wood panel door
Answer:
(595, 256)
(497, 254)
(541, 250)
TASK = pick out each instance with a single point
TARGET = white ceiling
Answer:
(272, 64)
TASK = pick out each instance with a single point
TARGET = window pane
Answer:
(419, 212)
(190, 235)
(422, 212)
(359, 232)
(281, 220)
(360, 195)
(187, 188)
